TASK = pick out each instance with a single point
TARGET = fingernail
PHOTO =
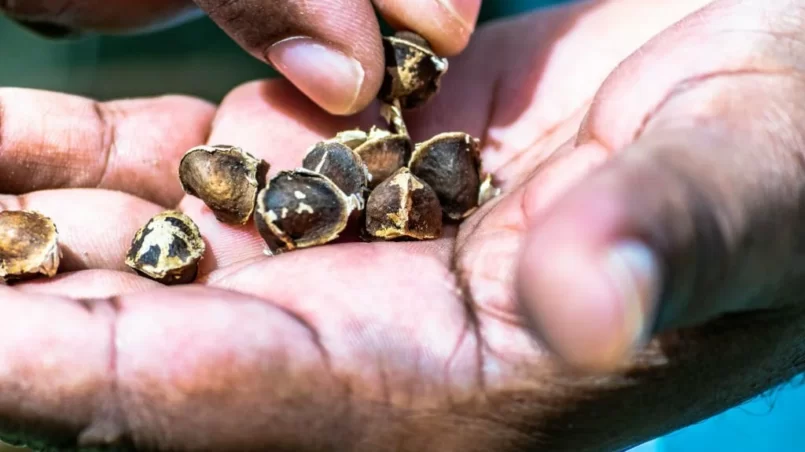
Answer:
(634, 271)
(464, 11)
(327, 76)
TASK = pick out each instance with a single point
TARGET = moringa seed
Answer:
(29, 246)
(413, 71)
(450, 163)
(403, 207)
(301, 209)
(225, 178)
(167, 249)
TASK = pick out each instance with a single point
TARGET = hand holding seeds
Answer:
(377, 180)
(373, 346)
(397, 190)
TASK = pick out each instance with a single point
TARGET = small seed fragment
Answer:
(487, 191)
(226, 178)
(384, 153)
(341, 165)
(288, 221)
(392, 114)
(413, 71)
(351, 138)
(167, 249)
(29, 246)
(450, 163)
(403, 207)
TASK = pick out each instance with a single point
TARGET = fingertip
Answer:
(447, 25)
(588, 293)
(329, 77)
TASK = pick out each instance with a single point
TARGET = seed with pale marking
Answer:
(341, 165)
(413, 71)
(167, 249)
(403, 207)
(315, 219)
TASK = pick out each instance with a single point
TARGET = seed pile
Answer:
(378, 180)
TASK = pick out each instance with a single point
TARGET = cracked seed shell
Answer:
(351, 138)
(29, 246)
(384, 153)
(225, 178)
(301, 209)
(450, 163)
(487, 191)
(403, 207)
(413, 72)
(342, 165)
(167, 249)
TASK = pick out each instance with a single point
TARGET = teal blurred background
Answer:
(113, 67)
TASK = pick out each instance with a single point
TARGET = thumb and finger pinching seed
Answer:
(394, 189)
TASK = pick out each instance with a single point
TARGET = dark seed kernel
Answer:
(167, 249)
(29, 246)
(341, 165)
(413, 71)
(226, 178)
(450, 163)
(301, 209)
(384, 153)
(403, 207)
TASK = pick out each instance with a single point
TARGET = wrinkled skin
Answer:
(694, 143)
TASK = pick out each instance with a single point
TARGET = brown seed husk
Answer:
(340, 164)
(393, 115)
(29, 246)
(403, 207)
(301, 209)
(167, 249)
(450, 163)
(413, 71)
(351, 138)
(384, 153)
(225, 178)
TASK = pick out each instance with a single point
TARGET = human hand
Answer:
(404, 346)
(330, 49)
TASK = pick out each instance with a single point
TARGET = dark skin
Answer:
(347, 27)
(482, 340)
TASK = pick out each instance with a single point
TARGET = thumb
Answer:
(698, 217)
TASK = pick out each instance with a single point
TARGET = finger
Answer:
(329, 49)
(95, 226)
(697, 218)
(296, 124)
(89, 284)
(674, 232)
(240, 355)
(50, 140)
(446, 24)
(47, 17)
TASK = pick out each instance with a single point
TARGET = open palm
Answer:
(350, 346)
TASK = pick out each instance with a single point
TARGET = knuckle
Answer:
(258, 25)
